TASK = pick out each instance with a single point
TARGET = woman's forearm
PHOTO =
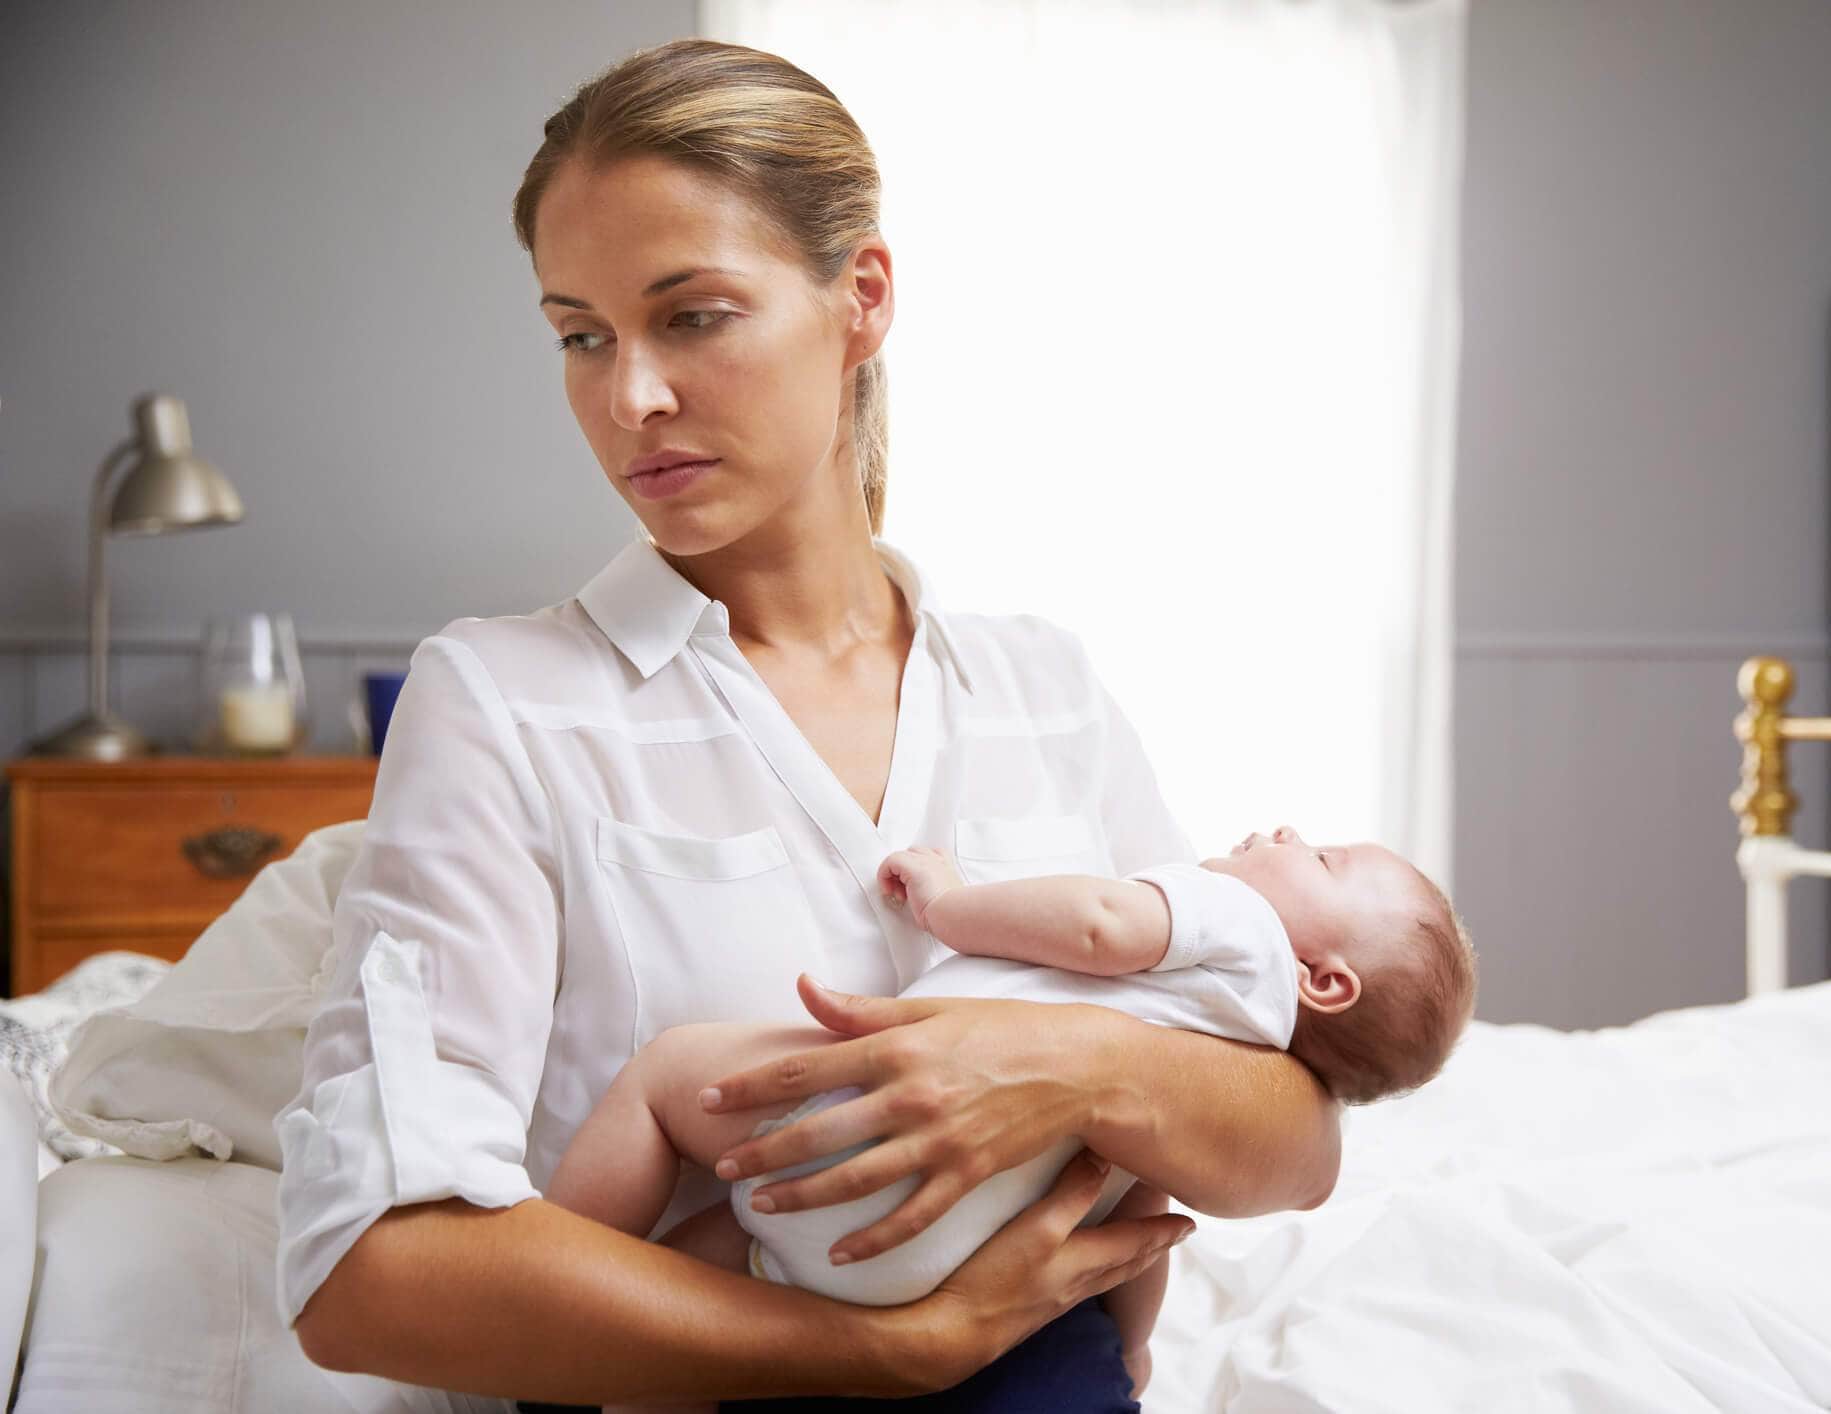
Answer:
(534, 1302)
(1225, 1128)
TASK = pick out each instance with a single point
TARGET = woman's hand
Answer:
(1034, 1268)
(958, 1090)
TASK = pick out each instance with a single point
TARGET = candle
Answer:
(257, 717)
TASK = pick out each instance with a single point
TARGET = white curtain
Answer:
(1174, 365)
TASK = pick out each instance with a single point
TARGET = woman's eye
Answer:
(712, 316)
(565, 343)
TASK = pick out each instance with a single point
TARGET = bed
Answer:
(1633, 1218)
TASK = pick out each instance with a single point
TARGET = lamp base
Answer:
(92, 738)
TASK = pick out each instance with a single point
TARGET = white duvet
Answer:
(1630, 1219)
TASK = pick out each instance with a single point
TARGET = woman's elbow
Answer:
(331, 1321)
(316, 1328)
(1303, 1160)
(1328, 1165)
(1320, 1167)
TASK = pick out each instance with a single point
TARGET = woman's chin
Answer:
(689, 535)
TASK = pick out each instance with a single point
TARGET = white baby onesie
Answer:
(1229, 971)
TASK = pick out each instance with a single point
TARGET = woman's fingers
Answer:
(860, 1016)
(1076, 1189)
(1113, 1253)
(1014, 1256)
(795, 1078)
(1037, 1265)
(915, 1214)
(854, 1121)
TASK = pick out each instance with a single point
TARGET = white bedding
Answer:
(1630, 1219)
(1621, 1220)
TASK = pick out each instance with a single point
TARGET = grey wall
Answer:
(295, 217)
(1641, 496)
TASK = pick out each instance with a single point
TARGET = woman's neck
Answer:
(805, 592)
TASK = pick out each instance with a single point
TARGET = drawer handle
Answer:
(230, 851)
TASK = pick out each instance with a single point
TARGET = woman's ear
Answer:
(1329, 986)
(872, 295)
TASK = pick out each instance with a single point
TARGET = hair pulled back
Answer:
(767, 130)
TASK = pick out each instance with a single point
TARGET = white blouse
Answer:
(595, 821)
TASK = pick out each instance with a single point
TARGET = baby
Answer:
(1345, 955)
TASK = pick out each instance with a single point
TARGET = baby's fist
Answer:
(918, 876)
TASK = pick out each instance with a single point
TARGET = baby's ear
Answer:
(1328, 987)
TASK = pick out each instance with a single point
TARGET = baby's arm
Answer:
(1134, 1305)
(1077, 922)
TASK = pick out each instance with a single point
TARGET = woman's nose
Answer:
(638, 390)
(1284, 834)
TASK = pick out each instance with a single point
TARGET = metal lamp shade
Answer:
(170, 487)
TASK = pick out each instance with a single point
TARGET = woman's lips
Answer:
(658, 485)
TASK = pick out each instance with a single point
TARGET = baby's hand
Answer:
(918, 876)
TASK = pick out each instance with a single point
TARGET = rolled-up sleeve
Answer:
(423, 1059)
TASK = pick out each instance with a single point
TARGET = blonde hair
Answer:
(1409, 1015)
(765, 129)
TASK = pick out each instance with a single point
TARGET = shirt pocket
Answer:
(715, 928)
(989, 849)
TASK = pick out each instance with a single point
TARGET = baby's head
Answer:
(1385, 971)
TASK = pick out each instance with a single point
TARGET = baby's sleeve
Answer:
(1230, 953)
(423, 1059)
(1216, 920)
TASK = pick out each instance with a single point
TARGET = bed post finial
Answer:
(1764, 803)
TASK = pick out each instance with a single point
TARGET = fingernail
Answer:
(841, 1258)
(726, 1169)
(762, 1203)
(1182, 1236)
(818, 983)
(709, 1098)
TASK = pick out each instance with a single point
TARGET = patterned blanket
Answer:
(35, 1033)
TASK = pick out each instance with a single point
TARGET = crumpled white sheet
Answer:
(1636, 1218)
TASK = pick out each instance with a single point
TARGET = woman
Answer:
(665, 799)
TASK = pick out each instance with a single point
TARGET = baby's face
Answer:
(1328, 896)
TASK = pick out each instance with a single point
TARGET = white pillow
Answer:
(212, 1053)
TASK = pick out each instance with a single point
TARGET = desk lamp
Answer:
(167, 487)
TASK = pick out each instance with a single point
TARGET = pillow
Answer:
(35, 1033)
(207, 1058)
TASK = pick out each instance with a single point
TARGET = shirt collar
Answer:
(649, 610)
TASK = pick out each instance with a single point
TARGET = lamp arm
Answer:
(98, 580)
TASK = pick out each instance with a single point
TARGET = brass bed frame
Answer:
(1768, 856)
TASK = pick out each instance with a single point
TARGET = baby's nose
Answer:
(1284, 834)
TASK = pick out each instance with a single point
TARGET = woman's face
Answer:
(690, 329)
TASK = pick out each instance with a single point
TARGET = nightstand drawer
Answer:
(57, 956)
(106, 850)
(145, 854)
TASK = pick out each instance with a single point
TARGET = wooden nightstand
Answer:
(145, 854)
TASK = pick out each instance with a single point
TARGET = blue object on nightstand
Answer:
(381, 690)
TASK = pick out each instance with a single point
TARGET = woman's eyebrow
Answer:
(661, 286)
(680, 277)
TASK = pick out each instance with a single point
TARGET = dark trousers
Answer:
(1070, 1366)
